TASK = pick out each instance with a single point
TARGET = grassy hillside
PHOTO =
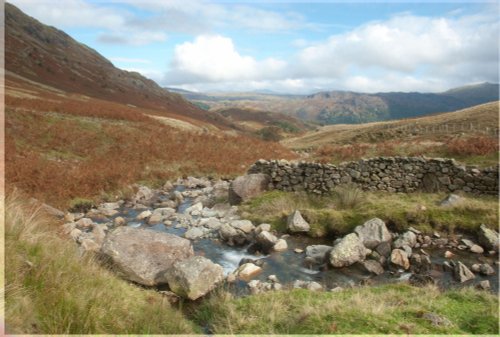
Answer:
(61, 146)
(467, 135)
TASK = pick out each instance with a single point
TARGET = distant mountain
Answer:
(46, 55)
(344, 107)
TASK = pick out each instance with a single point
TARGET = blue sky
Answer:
(288, 46)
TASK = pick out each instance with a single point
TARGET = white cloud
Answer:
(211, 58)
(404, 53)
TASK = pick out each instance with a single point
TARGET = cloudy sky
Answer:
(288, 46)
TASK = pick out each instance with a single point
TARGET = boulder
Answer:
(247, 271)
(486, 269)
(155, 219)
(198, 207)
(84, 223)
(280, 245)
(143, 256)
(408, 238)
(317, 253)
(296, 223)
(373, 232)
(248, 186)
(245, 226)
(347, 251)
(266, 240)
(477, 249)
(400, 259)
(488, 238)
(462, 273)
(232, 235)
(194, 277)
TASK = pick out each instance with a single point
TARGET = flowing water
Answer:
(289, 266)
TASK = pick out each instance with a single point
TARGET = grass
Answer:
(50, 289)
(389, 309)
(330, 215)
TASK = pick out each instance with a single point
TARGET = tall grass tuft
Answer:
(347, 196)
(51, 289)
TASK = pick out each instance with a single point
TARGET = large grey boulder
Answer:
(296, 223)
(248, 186)
(317, 253)
(194, 277)
(373, 232)
(347, 251)
(142, 255)
(488, 238)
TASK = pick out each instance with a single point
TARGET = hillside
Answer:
(340, 107)
(43, 54)
(269, 125)
(469, 134)
(77, 127)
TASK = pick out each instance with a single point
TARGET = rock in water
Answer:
(280, 245)
(317, 253)
(372, 266)
(462, 273)
(296, 223)
(266, 240)
(248, 186)
(347, 251)
(143, 256)
(247, 271)
(488, 238)
(194, 277)
(400, 258)
(373, 232)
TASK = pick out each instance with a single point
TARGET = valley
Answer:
(135, 207)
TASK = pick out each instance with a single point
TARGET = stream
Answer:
(290, 266)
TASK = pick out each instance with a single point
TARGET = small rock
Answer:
(486, 269)
(467, 242)
(280, 246)
(408, 238)
(263, 227)
(247, 271)
(119, 221)
(231, 278)
(484, 285)
(336, 289)
(475, 267)
(296, 223)
(266, 240)
(451, 200)
(273, 278)
(372, 266)
(194, 233)
(448, 254)
(155, 219)
(314, 286)
(436, 235)
(436, 320)
(462, 273)
(144, 214)
(477, 249)
(298, 250)
(400, 258)
(317, 253)
(416, 231)
(84, 223)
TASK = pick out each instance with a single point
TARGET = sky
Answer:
(289, 46)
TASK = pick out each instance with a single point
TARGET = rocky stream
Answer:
(185, 239)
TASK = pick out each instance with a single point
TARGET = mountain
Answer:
(46, 55)
(344, 107)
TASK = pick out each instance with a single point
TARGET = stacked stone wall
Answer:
(391, 174)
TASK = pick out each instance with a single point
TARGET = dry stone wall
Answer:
(391, 174)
